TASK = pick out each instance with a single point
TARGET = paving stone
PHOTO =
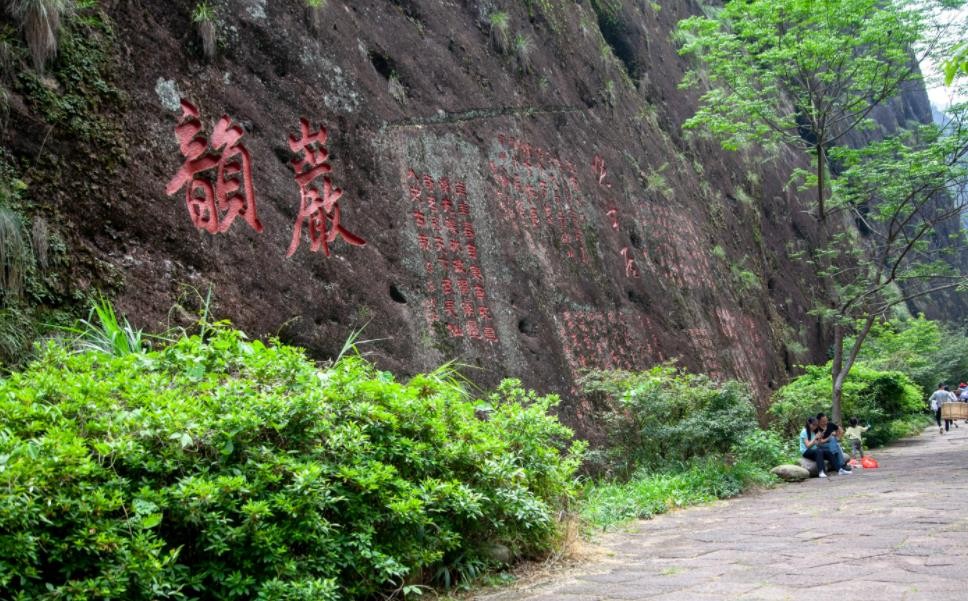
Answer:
(897, 533)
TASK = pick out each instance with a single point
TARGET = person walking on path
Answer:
(952, 398)
(940, 397)
(855, 435)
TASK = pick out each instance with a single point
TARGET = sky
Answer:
(941, 96)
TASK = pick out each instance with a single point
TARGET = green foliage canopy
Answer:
(803, 72)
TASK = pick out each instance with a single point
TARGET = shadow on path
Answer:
(899, 532)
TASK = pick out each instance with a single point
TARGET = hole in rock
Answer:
(396, 295)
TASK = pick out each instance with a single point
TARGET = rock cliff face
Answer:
(529, 212)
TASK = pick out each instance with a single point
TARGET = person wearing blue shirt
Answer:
(811, 447)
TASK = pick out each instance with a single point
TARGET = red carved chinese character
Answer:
(233, 194)
(458, 266)
(454, 245)
(423, 240)
(460, 189)
(450, 308)
(489, 334)
(484, 313)
(415, 193)
(428, 183)
(432, 204)
(444, 185)
(439, 243)
(430, 310)
(476, 273)
(455, 330)
(464, 287)
(447, 205)
(463, 209)
(613, 214)
(472, 330)
(419, 219)
(451, 224)
(319, 207)
(534, 217)
(447, 286)
(429, 267)
(467, 306)
(469, 231)
(631, 271)
(479, 292)
(472, 251)
(598, 166)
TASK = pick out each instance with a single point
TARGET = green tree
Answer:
(957, 64)
(907, 193)
(806, 73)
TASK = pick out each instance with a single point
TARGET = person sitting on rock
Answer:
(831, 434)
(811, 441)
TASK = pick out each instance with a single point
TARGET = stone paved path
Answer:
(899, 532)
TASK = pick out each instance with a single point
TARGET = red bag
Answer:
(869, 462)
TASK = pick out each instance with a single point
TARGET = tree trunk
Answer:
(838, 374)
(840, 368)
(821, 164)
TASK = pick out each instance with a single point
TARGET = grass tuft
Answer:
(41, 23)
(500, 23)
(15, 256)
(204, 18)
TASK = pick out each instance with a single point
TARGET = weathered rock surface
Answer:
(811, 466)
(530, 213)
(792, 473)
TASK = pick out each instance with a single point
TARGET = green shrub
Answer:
(665, 416)
(648, 494)
(873, 396)
(220, 468)
(764, 449)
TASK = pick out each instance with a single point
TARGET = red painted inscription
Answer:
(539, 194)
(319, 200)
(216, 174)
(455, 286)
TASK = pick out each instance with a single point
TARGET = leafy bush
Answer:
(220, 468)
(764, 449)
(663, 416)
(870, 395)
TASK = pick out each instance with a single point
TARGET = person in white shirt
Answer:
(940, 397)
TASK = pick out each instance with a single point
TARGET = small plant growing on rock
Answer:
(500, 23)
(204, 18)
(523, 52)
(315, 10)
(41, 22)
